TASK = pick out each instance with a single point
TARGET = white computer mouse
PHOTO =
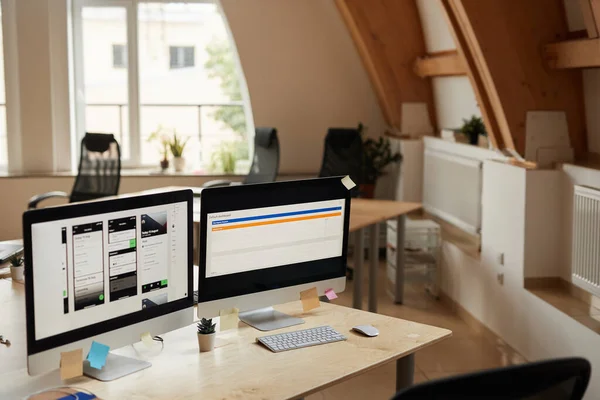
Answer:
(366, 330)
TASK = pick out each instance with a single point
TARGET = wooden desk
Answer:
(369, 213)
(238, 367)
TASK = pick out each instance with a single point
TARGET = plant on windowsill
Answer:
(164, 138)
(177, 145)
(17, 268)
(206, 335)
(474, 130)
(377, 155)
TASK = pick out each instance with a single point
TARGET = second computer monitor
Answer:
(263, 244)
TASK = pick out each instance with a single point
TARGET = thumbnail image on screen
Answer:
(122, 258)
(154, 251)
(88, 265)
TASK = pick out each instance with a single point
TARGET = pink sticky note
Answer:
(330, 294)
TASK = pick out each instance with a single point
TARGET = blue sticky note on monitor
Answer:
(97, 355)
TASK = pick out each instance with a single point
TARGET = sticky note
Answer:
(97, 355)
(228, 318)
(310, 299)
(348, 182)
(330, 294)
(71, 364)
(147, 339)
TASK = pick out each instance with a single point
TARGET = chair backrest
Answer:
(99, 168)
(562, 379)
(265, 162)
(343, 154)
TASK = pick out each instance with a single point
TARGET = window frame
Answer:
(131, 9)
(181, 56)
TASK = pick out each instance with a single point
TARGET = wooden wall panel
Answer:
(503, 44)
(389, 38)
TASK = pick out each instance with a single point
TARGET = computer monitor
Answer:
(108, 271)
(260, 245)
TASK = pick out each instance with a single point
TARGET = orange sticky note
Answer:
(228, 318)
(310, 299)
(71, 364)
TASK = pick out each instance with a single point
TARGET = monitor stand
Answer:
(116, 367)
(268, 319)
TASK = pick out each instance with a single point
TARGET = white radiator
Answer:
(452, 182)
(585, 258)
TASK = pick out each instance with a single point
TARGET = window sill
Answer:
(126, 172)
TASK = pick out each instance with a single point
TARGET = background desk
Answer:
(238, 367)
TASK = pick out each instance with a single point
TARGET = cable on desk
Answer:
(66, 390)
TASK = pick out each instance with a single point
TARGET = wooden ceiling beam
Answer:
(440, 64)
(583, 53)
(388, 37)
(501, 40)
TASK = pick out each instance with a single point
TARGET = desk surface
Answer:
(238, 367)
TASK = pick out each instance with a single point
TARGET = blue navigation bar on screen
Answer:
(266, 216)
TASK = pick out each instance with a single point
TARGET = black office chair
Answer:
(343, 155)
(99, 171)
(265, 162)
(562, 379)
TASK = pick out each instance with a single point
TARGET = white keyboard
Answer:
(298, 339)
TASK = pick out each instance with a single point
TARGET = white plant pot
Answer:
(206, 342)
(179, 163)
(17, 273)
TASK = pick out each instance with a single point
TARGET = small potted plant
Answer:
(17, 268)
(163, 137)
(206, 334)
(474, 130)
(377, 155)
(177, 146)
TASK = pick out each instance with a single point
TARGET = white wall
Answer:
(454, 97)
(533, 327)
(591, 81)
(303, 74)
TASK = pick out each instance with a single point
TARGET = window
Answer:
(173, 69)
(119, 56)
(181, 57)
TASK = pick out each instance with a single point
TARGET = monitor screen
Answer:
(101, 261)
(266, 237)
(263, 237)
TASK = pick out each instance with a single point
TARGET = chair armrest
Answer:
(33, 202)
(216, 183)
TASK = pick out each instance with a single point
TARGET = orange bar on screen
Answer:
(276, 221)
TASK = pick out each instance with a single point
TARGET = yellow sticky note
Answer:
(348, 182)
(310, 299)
(71, 364)
(229, 318)
(147, 339)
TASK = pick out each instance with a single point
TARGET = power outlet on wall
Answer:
(500, 278)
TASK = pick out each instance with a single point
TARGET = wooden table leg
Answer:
(374, 263)
(399, 295)
(405, 372)
(359, 251)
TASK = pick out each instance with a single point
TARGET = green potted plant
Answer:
(377, 155)
(177, 145)
(17, 268)
(474, 129)
(163, 137)
(206, 335)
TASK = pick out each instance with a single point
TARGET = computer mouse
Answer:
(366, 330)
